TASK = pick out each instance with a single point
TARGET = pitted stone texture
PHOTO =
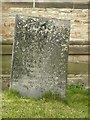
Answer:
(40, 56)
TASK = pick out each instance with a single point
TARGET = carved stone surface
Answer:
(40, 56)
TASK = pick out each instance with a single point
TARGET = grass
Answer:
(49, 106)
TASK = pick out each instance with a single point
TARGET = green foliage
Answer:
(50, 96)
(49, 106)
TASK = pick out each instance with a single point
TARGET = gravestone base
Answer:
(40, 56)
(37, 89)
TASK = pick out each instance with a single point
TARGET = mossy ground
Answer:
(49, 106)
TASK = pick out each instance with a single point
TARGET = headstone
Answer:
(40, 56)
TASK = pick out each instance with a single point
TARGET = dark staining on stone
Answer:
(40, 55)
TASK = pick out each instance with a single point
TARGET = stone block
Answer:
(40, 56)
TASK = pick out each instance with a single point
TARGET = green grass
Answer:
(49, 106)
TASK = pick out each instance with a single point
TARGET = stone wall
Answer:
(78, 48)
(78, 17)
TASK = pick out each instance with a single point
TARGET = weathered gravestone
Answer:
(40, 56)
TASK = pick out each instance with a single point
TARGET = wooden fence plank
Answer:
(79, 49)
(73, 49)
(74, 5)
(73, 67)
(71, 42)
(7, 49)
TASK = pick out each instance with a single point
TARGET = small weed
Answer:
(51, 96)
(14, 92)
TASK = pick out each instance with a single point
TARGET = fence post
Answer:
(33, 3)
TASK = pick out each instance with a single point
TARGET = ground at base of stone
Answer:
(50, 106)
